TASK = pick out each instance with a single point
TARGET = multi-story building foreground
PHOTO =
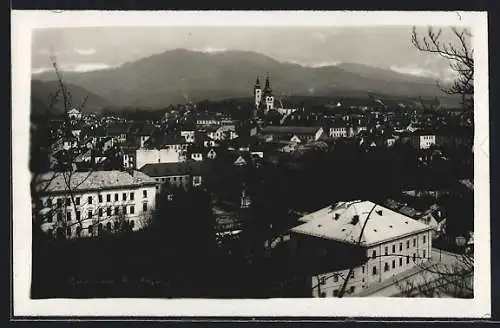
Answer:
(83, 204)
(376, 242)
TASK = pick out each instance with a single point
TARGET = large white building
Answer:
(83, 204)
(388, 243)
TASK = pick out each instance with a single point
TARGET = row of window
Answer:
(336, 277)
(181, 178)
(100, 212)
(90, 199)
(387, 267)
(336, 292)
(386, 249)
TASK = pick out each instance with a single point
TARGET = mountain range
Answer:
(180, 75)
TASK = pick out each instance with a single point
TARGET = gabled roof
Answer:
(344, 222)
(290, 130)
(175, 169)
(95, 180)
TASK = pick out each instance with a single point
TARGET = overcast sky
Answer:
(84, 49)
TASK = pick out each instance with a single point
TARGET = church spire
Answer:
(257, 83)
(268, 84)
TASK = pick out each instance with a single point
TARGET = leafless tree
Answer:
(432, 279)
(45, 207)
(461, 55)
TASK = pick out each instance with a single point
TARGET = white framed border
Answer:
(23, 22)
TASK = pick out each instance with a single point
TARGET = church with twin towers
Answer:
(264, 99)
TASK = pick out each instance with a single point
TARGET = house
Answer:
(341, 130)
(225, 132)
(434, 218)
(376, 242)
(207, 120)
(189, 135)
(74, 114)
(186, 174)
(161, 149)
(118, 131)
(423, 139)
(84, 204)
(302, 133)
(211, 154)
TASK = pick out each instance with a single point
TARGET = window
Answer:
(386, 267)
(117, 210)
(414, 242)
(68, 201)
(400, 246)
(374, 270)
(393, 249)
(59, 216)
(109, 226)
(363, 269)
(116, 197)
(91, 230)
(323, 294)
(336, 278)
(124, 209)
(68, 216)
(407, 244)
(400, 261)
(131, 196)
(322, 280)
(108, 211)
(132, 224)
(414, 257)
(423, 239)
(407, 259)
(78, 231)
(100, 198)
(352, 289)
(108, 198)
(336, 293)
(386, 250)
(78, 215)
(423, 253)
(89, 200)
(144, 207)
(174, 178)
(132, 209)
(59, 202)
(374, 254)
(68, 231)
(89, 214)
(100, 212)
(124, 196)
(393, 264)
(77, 200)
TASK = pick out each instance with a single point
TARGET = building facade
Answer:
(388, 245)
(85, 204)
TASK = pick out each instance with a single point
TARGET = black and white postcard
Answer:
(275, 164)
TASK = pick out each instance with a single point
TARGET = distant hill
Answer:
(41, 92)
(179, 75)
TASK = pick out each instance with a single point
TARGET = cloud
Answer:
(209, 50)
(417, 71)
(324, 64)
(80, 68)
(85, 52)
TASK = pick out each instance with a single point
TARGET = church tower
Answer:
(268, 96)
(257, 92)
